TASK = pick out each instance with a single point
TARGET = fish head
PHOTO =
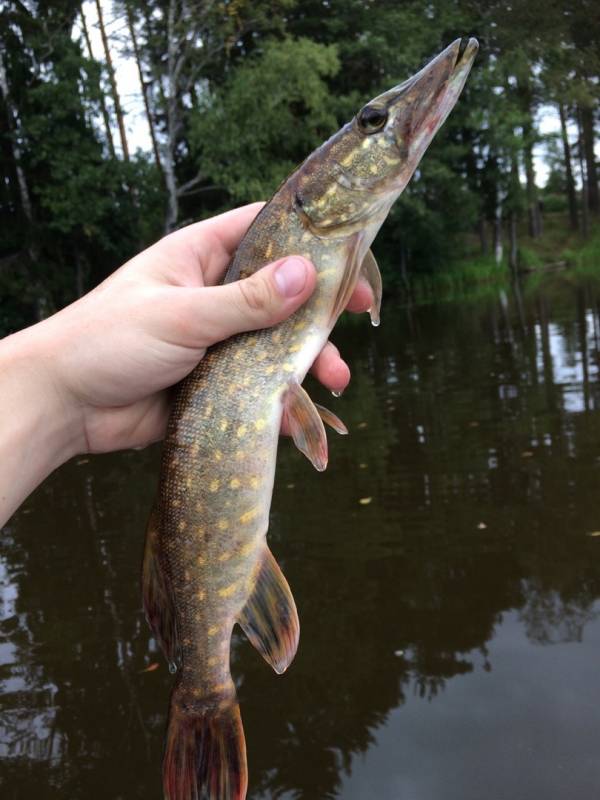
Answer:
(352, 180)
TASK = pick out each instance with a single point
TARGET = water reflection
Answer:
(476, 441)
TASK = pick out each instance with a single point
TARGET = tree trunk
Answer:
(585, 226)
(113, 83)
(498, 229)
(12, 120)
(513, 253)
(105, 116)
(587, 125)
(482, 231)
(571, 196)
(144, 85)
(173, 121)
(533, 207)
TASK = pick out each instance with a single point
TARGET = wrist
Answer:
(38, 422)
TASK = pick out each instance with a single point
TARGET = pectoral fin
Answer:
(329, 418)
(350, 277)
(306, 426)
(370, 272)
(269, 618)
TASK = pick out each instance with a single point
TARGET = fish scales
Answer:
(207, 565)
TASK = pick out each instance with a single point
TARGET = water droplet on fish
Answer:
(172, 667)
(375, 322)
(337, 393)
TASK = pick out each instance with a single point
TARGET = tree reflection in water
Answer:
(476, 432)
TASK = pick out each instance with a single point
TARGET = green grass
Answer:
(476, 275)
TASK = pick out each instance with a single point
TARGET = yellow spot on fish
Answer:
(227, 591)
(182, 525)
(270, 369)
(225, 556)
(268, 250)
(176, 503)
(293, 348)
(201, 595)
(218, 455)
(276, 337)
(188, 482)
(240, 455)
(288, 367)
(248, 548)
(198, 505)
(259, 424)
(223, 524)
(249, 515)
(220, 687)
(208, 410)
(201, 560)
(262, 355)
(241, 431)
(300, 325)
(212, 661)
(212, 630)
(187, 575)
(254, 483)
(223, 425)
(252, 341)
(214, 485)
(194, 449)
(234, 483)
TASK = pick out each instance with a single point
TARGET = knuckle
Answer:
(256, 294)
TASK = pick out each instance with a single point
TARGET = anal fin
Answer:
(156, 596)
(306, 425)
(269, 618)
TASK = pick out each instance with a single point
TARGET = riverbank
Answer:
(559, 248)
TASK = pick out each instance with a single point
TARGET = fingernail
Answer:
(290, 277)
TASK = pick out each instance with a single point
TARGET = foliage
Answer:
(253, 131)
(238, 93)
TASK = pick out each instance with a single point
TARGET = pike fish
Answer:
(207, 565)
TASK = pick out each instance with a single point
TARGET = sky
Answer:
(130, 92)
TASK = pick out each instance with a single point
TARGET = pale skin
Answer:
(95, 377)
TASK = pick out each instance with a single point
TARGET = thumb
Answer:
(267, 297)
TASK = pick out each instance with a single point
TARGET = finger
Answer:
(361, 299)
(211, 314)
(330, 369)
(214, 241)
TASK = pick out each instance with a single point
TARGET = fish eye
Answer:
(372, 119)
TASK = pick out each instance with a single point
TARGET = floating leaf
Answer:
(151, 667)
(482, 526)
(362, 465)
(290, 485)
(364, 501)
(594, 534)
(362, 425)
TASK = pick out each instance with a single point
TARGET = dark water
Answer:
(450, 626)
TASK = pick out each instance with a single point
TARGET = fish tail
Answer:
(205, 752)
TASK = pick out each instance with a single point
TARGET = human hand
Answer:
(113, 354)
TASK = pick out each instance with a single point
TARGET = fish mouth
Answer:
(422, 103)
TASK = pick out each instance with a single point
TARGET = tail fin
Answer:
(205, 754)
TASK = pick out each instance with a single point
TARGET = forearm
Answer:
(37, 430)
